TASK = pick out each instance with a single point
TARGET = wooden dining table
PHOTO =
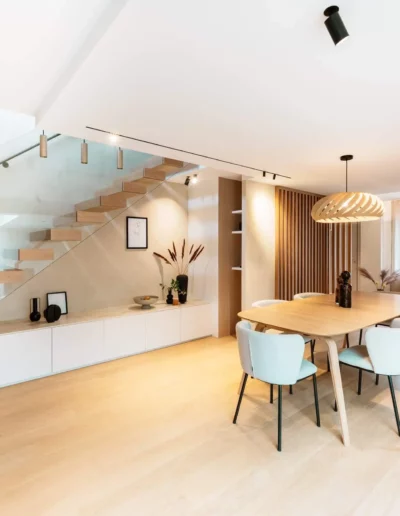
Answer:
(324, 321)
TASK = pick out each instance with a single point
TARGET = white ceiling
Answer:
(259, 83)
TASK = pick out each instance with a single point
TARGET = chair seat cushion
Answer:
(306, 369)
(356, 356)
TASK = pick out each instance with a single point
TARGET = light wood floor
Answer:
(152, 435)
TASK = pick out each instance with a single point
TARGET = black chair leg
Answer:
(328, 365)
(335, 406)
(377, 379)
(271, 393)
(360, 337)
(312, 351)
(359, 381)
(347, 341)
(291, 389)
(316, 400)
(279, 417)
(240, 398)
(396, 412)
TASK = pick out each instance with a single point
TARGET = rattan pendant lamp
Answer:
(347, 206)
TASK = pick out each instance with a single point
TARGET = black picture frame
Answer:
(64, 309)
(130, 244)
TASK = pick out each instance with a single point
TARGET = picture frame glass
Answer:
(60, 299)
(136, 233)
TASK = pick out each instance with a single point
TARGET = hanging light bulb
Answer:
(195, 179)
(347, 206)
(120, 159)
(43, 146)
(84, 153)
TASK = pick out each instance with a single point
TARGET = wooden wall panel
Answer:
(229, 255)
(309, 255)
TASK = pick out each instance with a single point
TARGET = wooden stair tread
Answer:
(168, 166)
(12, 276)
(102, 204)
(85, 218)
(134, 188)
(64, 235)
(46, 253)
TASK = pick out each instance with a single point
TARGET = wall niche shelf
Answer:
(237, 232)
(236, 268)
(237, 212)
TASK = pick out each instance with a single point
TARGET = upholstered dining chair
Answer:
(274, 359)
(381, 355)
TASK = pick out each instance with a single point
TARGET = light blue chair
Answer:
(381, 356)
(275, 359)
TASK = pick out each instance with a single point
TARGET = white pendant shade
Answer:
(348, 207)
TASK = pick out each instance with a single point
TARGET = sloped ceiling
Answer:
(258, 83)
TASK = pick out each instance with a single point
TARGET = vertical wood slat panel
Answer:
(309, 256)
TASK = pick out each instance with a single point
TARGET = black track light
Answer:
(5, 164)
(187, 181)
(264, 173)
(335, 25)
(274, 177)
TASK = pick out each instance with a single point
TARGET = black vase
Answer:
(345, 290)
(183, 281)
(35, 310)
(170, 298)
(52, 313)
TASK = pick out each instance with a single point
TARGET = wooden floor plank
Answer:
(152, 434)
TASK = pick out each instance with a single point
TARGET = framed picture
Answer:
(60, 299)
(136, 233)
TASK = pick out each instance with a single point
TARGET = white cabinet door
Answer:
(78, 345)
(196, 322)
(24, 356)
(163, 329)
(124, 336)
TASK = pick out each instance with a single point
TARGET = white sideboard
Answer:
(29, 351)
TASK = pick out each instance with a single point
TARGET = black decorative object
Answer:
(52, 313)
(170, 297)
(335, 25)
(345, 290)
(136, 233)
(60, 299)
(339, 281)
(35, 310)
(183, 281)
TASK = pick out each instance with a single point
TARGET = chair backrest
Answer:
(305, 295)
(267, 302)
(395, 323)
(242, 334)
(383, 346)
(276, 359)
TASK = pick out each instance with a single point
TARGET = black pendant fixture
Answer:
(335, 25)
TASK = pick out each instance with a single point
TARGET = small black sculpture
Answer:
(52, 313)
(170, 297)
(345, 290)
(35, 310)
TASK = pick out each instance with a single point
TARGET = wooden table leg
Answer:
(337, 387)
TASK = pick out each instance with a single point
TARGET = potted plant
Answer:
(180, 262)
(386, 278)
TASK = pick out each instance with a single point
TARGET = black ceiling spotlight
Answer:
(274, 177)
(5, 164)
(335, 25)
(264, 173)
(187, 181)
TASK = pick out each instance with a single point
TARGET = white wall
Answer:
(258, 251)
(203, 229)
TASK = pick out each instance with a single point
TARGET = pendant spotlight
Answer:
(187, 181)
(335, 25)
(120, 159)
(273, 175)
(43, 146)
(84, 153)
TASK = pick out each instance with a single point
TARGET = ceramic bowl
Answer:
(145, 301)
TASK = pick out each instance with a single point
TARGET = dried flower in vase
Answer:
(386, 277)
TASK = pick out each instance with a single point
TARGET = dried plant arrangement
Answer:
(386, 277)
(180, 262)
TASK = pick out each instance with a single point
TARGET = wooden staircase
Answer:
(93, 212)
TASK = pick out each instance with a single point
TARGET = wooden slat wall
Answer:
(309, 256)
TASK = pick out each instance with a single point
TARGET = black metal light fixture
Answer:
(187, 181)
(335, 25)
